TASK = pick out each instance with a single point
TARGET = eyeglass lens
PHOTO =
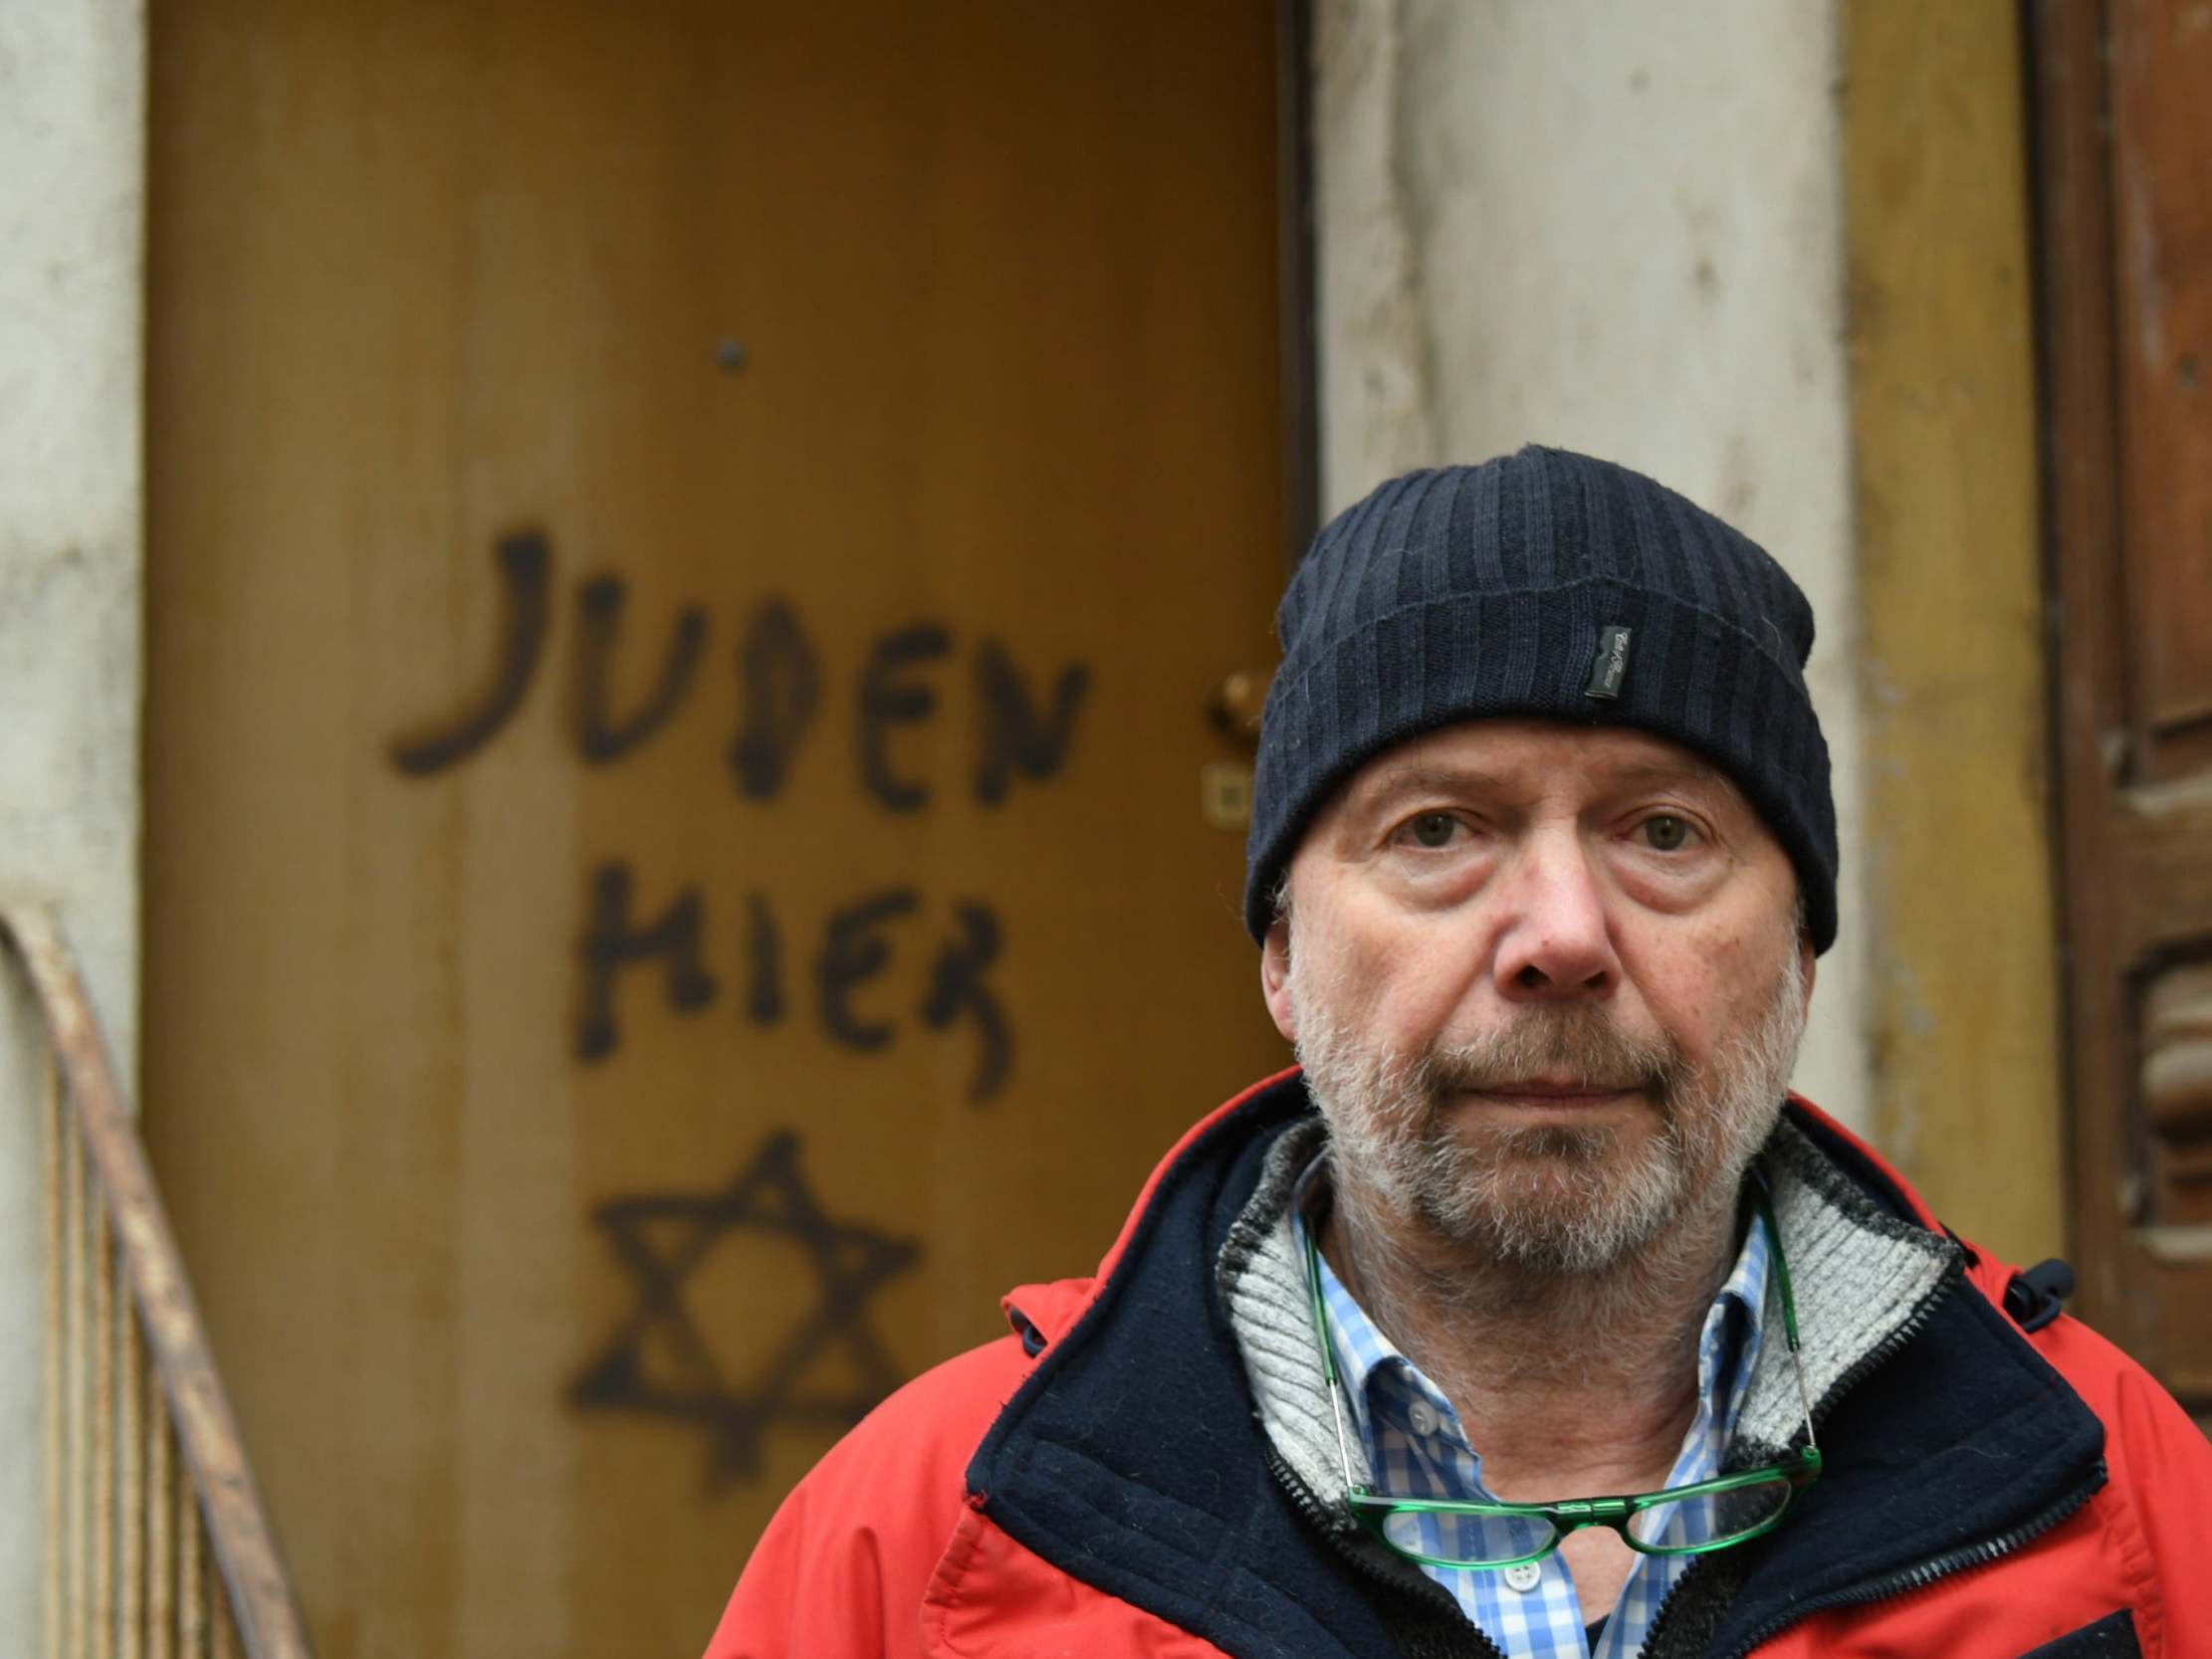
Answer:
(1471, 1539)
(1709, 1518)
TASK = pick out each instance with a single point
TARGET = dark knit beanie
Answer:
(1546, 584)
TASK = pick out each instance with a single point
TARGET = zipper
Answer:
(1345, 1536)
(1880, 1353)
(1942, 1567)
(1853, 1374)
(1908, 1579)
(1657, 1627)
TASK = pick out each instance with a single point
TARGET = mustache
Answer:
(1582, 1044)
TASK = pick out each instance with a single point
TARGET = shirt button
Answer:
(1422, 1416)
(1524, 1578)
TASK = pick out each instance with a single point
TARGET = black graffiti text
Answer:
(660, 945)
(1023, 725)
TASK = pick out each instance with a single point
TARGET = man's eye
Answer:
(1434, 829)
(1665, 833)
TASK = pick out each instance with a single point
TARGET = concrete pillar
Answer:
(1618, 229)
(72, 237)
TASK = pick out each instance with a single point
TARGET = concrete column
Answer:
(72, 235)
(1618, 229)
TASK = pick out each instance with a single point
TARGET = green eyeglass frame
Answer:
(1375, 1509)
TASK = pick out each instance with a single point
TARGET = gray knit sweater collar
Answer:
(1864, 1281)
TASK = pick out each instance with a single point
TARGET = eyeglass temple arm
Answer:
(1328, 1349)
(1765, 1202)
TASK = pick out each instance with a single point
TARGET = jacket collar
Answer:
(1151, 1457)
(1865, 1281)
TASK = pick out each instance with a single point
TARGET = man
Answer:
(1542, 855)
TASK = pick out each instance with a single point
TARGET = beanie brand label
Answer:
(1611, 665)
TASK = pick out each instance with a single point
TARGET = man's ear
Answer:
(1810, 965)
(1274, 979)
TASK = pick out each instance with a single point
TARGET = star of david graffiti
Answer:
(660, 1238)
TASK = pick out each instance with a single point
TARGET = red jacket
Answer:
(1094, 1484)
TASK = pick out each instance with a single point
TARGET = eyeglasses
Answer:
(1675, 1520)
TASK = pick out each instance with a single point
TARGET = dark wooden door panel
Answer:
(2161, 184)
(2125, 161)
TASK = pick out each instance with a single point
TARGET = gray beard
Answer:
(1547, 1201)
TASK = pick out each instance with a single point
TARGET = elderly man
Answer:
(1532, 1315)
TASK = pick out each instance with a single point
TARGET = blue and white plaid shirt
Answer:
(1417, 1449)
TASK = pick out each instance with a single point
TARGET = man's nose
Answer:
(1557, 942)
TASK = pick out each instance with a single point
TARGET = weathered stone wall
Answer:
(72, 212)
(1618, 229)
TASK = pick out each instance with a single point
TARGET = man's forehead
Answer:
(1519, 756)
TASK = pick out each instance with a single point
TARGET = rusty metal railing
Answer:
(157, 1543)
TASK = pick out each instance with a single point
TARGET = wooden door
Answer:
(690, 545)
(2126, 142)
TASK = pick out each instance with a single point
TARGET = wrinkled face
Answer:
(1547, 982)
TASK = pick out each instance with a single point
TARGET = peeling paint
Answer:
(1586, 224)
(72, 204)
(1377, 409)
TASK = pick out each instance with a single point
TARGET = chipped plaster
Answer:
(1618, 229)
(72, 211)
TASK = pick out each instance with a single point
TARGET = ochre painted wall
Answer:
(1963, 1007)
